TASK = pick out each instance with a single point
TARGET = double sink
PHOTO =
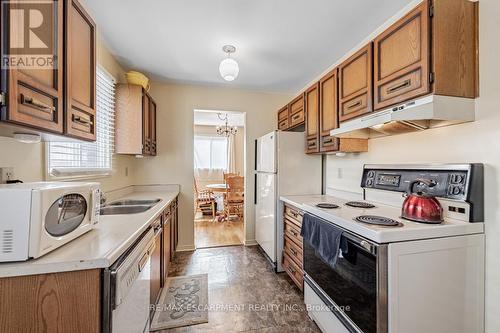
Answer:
(129, 206)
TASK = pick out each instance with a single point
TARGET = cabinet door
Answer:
(312, 118)
(355, 84)
(283, 119)
(152, 126)
(146, 136)
(297, 113)
(328, 111)
(34, 94)
(401, 56)
(166, 243)
(155, 283)
(80, 79)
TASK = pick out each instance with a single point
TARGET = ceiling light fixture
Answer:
(228, 67)
(225, 130)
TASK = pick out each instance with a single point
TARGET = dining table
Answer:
(217, 187)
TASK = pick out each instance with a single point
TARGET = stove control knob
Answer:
(369, 182)
(371, 174)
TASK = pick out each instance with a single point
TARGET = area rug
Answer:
(183, 302)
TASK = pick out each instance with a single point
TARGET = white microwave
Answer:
(36, 218)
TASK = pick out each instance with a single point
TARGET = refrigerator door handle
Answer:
(256, 154)
(255, 190)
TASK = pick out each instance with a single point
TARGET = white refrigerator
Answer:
(282, 168)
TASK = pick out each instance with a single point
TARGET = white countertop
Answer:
(344, 217)
(100, 247)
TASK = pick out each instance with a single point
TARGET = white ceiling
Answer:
(281, 44)
(209, 118)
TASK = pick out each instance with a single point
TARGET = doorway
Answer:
(219, 178)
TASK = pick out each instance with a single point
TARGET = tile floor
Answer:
(262, 301)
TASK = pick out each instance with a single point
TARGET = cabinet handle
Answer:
(312, 143)
(400, 86)
(30, 101)
(358, 103)
(295, 117)
(82, 120)
(293, 252)
(291, 270)
(328, 140)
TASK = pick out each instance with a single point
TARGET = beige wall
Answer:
(174, 163)
(28, 160)
(472, 142)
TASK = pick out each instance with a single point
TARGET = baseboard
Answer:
(185, 248)
(250, 242)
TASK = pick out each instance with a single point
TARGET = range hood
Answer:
(417, 115)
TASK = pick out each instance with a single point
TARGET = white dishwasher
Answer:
(126, 285)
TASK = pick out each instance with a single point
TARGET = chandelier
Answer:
(225, 130)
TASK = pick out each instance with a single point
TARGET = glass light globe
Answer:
(229, 69)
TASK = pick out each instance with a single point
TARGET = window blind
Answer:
(89, 158)
(210, 152)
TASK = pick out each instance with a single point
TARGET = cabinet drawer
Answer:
(283, 113)
(293, 270)
(297, 105)
(312, 145)
(297, 118)
(80, 123)
(283, 124)
(294, 214)
(293, 233)
(294, 252)
(354, 107)
(35, 108)
(328, 143)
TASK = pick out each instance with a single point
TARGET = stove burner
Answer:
(327, 205)
(378, 220)
(360, 204)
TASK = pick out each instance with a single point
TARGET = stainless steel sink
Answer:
(132, 202)
(128, 206)
(117, 210)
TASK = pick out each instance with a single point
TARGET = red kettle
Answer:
(421, 207)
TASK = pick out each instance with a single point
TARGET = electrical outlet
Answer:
(6, 173)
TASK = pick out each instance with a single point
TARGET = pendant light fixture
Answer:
(225, 130)
(228, 67)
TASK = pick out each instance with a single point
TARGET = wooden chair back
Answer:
(235, 188)
(229, 175)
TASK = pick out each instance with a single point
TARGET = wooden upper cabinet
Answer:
(401, 59)
(135, 106)
(152, 126)
(455, 48)
(355, 84)
(146, 126)
(80, 82)
(34, 96)
(283, 119)
(328, 120)
(297, 112)
(311, 101)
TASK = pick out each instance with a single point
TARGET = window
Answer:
(66, 159)
(210, 152)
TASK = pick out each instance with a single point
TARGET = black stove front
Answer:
(356, 287)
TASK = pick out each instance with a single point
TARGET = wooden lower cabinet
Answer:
(293, 257)
(56, 302)
(156, 277)
(166, 244)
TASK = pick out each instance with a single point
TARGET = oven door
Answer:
(356, 288)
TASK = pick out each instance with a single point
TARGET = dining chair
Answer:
(204, 200)
(229, 175)
(234, 198)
